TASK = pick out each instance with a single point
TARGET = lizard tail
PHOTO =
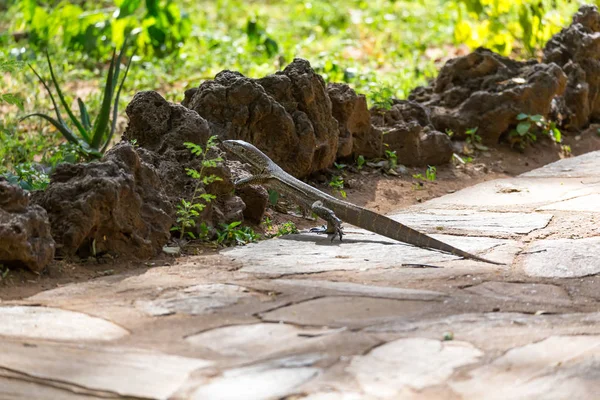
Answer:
(387, 227)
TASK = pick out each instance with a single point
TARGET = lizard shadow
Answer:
(320, 240)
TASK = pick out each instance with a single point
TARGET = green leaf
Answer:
(85, 117)
(185, 203)
(101, 123)
(536, 118)
(193, 148)
(212, 142)
(198, 207)
(127, 7)
(523, 128)
(10, 65)
(56, 109)
(116, 103)
(76, 122)
(360, 162)
(522, 116)
(557, 134)
(210, 179)
(12, 99)
(207, 197)
(192, 173)
(252, 31)
(209, 163)
(234, 224)
(271, 47)
(273, 196)
(63, 129)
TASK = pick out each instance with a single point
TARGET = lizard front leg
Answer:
(334, 224)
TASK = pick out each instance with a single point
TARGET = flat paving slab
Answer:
(409, 364)
(521, 193)
(461, 222)
(120, 371)
(55, 324)
(563, 258)
(558, 367)
(584, 166)
(589, 203)
(198, 299)
(300, 317)
(360, 250)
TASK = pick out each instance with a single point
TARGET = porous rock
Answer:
(357, 136)
(255, 197)
(25, 238)
(287, 115)
(487, 91)
(160, 129)
(576, 49)
(410, 133)
(113, 206)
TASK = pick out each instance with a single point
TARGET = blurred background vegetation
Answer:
(382, 48)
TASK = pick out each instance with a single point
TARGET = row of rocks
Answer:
(124, 204)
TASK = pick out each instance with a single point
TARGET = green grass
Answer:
(382, 48)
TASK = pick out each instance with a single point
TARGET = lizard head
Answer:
(247, 153)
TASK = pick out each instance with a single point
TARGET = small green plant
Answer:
(462, 160)
(268, 223)
(287, 228)
(417, 185)
(28, 177)
(92, 137)
(4, 271)
(566, 150)
(231, 235)
(392, 159)
(162, 24)
(360, 162)
(431, 173)
(472, 136)
(339, 166)
(9, 66)
(474, 139)
(17, 151)
(337, 182)
(382, 97)
(529, 127)
(260, 39)
(449, 132)
(189, 211)
(273, 196)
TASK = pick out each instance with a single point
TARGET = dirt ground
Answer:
(369, 188)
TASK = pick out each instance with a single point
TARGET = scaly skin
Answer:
(330, 208)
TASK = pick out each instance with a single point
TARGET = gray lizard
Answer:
(332, 210)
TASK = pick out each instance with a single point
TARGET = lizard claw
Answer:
(323, 229)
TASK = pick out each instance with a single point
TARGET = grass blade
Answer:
(66, 132)
(56, 109)
(118, 63)
(77, 124)
(85, 116)
(102, 121)
(116, 107)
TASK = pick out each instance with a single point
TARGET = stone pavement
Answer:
(300, 317)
